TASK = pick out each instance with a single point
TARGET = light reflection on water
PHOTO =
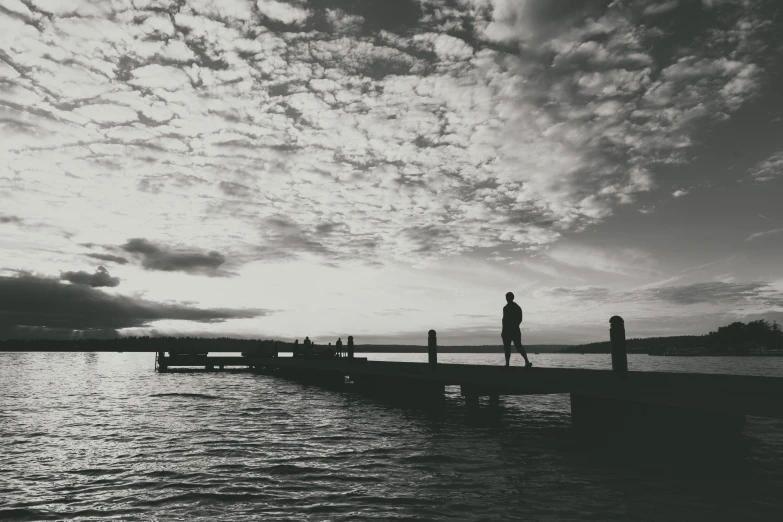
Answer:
(102, 436)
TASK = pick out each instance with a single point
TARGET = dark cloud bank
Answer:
(29, 301)
(101, 277)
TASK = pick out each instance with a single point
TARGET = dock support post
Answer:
(494, 400)
(161, 364)
(432, 347)
(350, 346)
(617, 339)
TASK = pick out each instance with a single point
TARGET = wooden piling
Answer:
(617, 339)
(350, 346)
(160, 362)
(432, 348)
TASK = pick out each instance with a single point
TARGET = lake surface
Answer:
(102, 436)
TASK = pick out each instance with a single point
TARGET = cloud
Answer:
(28, 300)
(768, 169)
(626, 261)
(712, 293)
(661, 7)
(398, 311)
(160, 257)
(679, 193)
(108, 257)
(283, 12)
(101, 277)
(105, 113)
(588, 293)
(5, 219)
(343, 22)
(765, 233)
(283, 235)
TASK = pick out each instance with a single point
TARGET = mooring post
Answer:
(350, 346)
(617, 338)
(432, 348)
(160, 362)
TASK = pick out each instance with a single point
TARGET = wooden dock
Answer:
(604, 403)
(600, 399)
(636, 405)
(758, 396)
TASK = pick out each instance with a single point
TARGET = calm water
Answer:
(104, 437)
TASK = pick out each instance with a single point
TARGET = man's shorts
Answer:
(509, 337)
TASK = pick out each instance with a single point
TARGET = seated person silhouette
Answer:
(512, 318)
(339, 345)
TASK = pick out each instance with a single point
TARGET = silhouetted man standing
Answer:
(512, 318)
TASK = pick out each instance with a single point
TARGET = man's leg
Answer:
(520, 348)
(507, 347)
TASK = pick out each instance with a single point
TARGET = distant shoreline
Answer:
(89, 347)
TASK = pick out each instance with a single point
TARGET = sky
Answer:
(280, 168)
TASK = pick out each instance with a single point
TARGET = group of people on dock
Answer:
(308, 347)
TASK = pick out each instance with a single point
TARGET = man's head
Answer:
(510, 297)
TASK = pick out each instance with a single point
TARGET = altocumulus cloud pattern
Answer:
(437, 126)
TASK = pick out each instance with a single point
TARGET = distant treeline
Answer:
(642, 344)
(220, 344)
(737, 338)
(741, 338)
(131, 344)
